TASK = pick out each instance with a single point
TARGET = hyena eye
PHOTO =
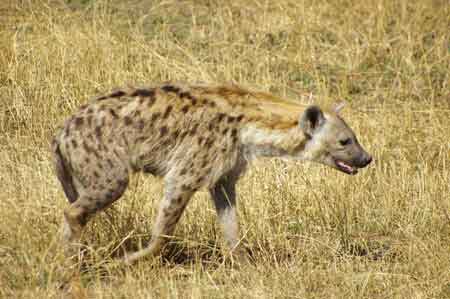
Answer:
(345, 142)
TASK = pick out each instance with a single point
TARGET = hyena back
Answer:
(193, 136)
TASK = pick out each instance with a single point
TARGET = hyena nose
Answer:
(368, 160)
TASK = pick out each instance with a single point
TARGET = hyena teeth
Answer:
(344, 166)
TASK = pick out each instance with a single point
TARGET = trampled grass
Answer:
(311, 232)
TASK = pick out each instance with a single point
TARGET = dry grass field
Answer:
(310, 231)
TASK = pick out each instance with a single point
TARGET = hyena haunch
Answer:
(194, 136)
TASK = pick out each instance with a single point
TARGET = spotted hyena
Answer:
(193, 136)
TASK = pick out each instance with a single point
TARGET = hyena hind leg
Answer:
(91, 200)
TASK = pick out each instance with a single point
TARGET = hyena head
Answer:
(331, 141)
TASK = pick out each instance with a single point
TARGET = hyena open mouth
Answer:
(344, 167)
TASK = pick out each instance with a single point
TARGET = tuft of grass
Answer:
(311, 232)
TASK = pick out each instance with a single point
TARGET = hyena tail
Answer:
(63, 173)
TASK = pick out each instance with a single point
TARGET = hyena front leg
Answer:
(224, 196)
(175, 200)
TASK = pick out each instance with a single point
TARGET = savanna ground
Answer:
(311, 232)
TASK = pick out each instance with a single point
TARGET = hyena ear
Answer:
(338, 107)
(311, 120)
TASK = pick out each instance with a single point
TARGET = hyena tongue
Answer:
(345, 167)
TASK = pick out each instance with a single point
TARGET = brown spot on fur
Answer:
(166, 143)
(137, 113)
(208, 169)
(96, 154)
(143, 93)
(74, 143)
(66, 130)
(175, 134)
(193, 130)
(110, 163)
(96, 174)
(150, 102)
(230, 119)
(163, 131)
(211, 126)
(90, 110)
(155, 116)
(98, 132)
(185, 109)
(167, 212)
(78, 121)
(234, 135)
(183, 171)
(87, 148)
(113, 113)
(87, 160)
(117, 94)
(240, 118)
(123, 183)
(114, 94)
(209, 142)
(116, 153)
(187, 95)
(185, 187)
(205, 163)
(140, 125)
(127, 120)
(200, 140)
(220, 116)
(167, 112)
(170, 88)
(225, 131)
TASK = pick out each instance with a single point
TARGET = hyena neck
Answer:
(262, 142)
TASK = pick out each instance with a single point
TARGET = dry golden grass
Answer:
(312, 232)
